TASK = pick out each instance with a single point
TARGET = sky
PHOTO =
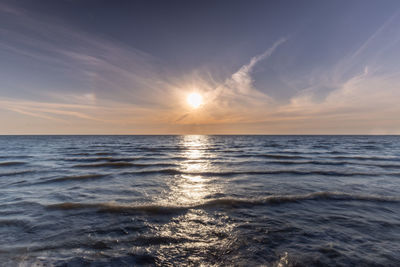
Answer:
(262, 67)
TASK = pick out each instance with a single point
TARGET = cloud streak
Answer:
(81, 62)
(242, 78)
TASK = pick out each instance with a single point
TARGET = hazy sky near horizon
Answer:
(262, 67)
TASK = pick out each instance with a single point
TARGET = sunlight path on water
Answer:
(196, 229)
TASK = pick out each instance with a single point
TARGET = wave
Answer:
(126, 164)
(113, 208)
(330, 163)
(91, 154)
(89, 159)
(334, 163)
(100, 159)
(222, 203)
(278, 156)
(16, 173)
(272, 172)
(12, 163)
(280, 199)
(366, 158)
(393, 166)
(77, 177)
(300, 156)
(160, 165)
(106, 164)
(271, 156)
(313, 162)
(104, 153)
(15, 157)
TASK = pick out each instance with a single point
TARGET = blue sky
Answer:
(264, 67)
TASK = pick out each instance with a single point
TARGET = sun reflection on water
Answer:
(198, 233)
(191, 187)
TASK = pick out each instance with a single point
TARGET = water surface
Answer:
(192, 200)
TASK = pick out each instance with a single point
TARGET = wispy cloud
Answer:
(242, 80)
(363, 95)
(82, 62)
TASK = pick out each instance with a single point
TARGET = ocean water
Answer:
(200, 200)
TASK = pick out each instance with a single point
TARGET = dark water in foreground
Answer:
(200, 200)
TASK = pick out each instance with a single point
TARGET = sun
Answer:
(195, 100)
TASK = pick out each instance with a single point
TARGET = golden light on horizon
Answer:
(195, 100)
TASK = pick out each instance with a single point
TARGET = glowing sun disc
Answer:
(195, 100)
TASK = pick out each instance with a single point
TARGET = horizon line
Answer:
(249, 134)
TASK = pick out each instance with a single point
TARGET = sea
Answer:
(198, 200)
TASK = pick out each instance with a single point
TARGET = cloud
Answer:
(76, 61)
(241, 80)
